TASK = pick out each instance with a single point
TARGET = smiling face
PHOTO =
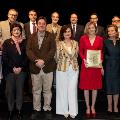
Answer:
(12, 15)
(91, 29)
(67, 34)
(94, 18)
(73, 18)
(41, 24)
(32, 16)
(116, 21)
(112, 32)
(16, 32)
(55, 17)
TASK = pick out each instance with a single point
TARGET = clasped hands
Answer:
(17, 70)
(39, 63)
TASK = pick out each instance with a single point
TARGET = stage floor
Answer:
(101, 107)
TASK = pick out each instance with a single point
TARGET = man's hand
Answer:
(39, 63)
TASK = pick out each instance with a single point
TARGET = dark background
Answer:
(105, 9)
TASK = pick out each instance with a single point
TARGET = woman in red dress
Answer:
(90, 78)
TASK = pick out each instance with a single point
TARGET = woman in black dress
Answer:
(112, 67)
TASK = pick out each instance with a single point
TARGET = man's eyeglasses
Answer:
(116, 21)
(13, 15)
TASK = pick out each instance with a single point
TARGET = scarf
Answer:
(17, 41)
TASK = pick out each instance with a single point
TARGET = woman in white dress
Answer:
(67, 74)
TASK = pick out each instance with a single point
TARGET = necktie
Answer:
(73, 31)
(34, 27)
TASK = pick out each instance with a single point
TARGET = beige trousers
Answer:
(42, 81)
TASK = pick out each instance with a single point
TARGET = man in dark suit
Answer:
(100, 29)
(29, 26)
(116, 21)
(41, 49)
(78, 30)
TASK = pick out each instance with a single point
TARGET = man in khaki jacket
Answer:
(41, 49)
(5, 26)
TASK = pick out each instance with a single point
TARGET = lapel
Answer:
(7, 27)
(66, 51)
(28, 28)
(43, 42)
(50, 28)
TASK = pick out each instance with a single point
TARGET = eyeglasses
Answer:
(13, 15)
(116, 21)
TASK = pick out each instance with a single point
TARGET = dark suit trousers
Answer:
(14, 90)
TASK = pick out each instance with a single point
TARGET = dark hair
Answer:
(41, 17)
(93, 14)
(116, 29)
(32, 10)
(63, 30)
(16, 25)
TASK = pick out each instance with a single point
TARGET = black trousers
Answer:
(14, 90)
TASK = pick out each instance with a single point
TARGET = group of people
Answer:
(39, 52)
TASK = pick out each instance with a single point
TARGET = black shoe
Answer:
(19, 115)
(109, 113)
(35, 115)
(48, 115)
(10, 115)
(116, 114)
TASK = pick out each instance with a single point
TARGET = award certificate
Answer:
(93, 58)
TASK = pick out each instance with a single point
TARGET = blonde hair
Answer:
(87, 26)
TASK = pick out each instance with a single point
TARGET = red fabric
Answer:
(90, 78)
(34, 27)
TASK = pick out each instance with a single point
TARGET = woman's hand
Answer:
(85, 62)
(102, 71)
(17, 70)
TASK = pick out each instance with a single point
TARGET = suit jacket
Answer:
(27, 29)
(5, 30)
(100, 31)
(46, 52)
(64, 59)
(79, 32)
(49, 29)
(11, 57)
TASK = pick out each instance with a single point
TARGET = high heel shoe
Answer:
(87, 115)
(93, 114)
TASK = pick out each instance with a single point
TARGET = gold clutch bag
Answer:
(93, 58)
